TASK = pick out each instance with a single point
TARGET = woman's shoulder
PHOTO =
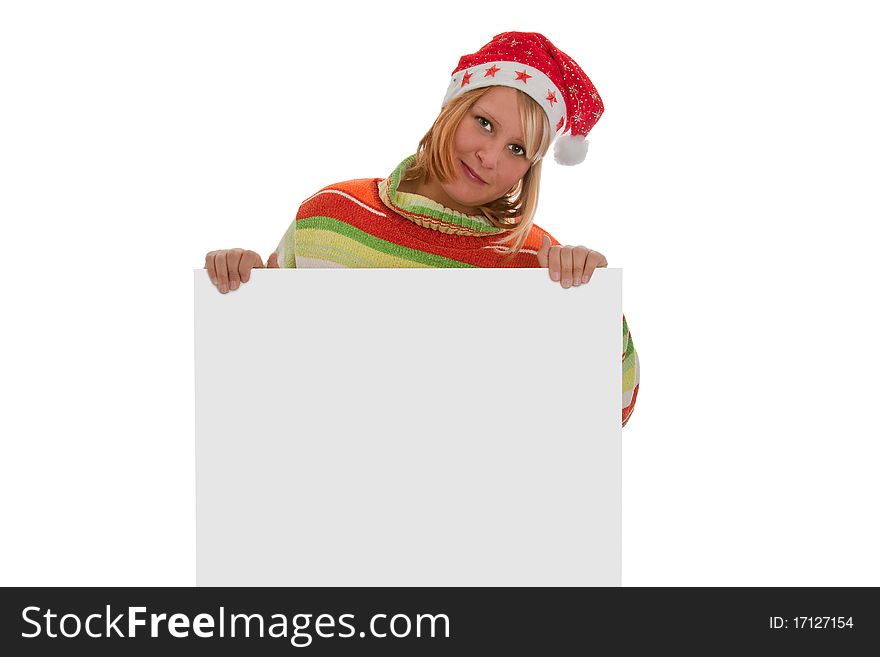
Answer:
(358, 186)
(536, 234)
(362, 192)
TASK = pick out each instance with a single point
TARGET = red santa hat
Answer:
(529, 62)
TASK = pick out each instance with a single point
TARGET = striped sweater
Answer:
(339, 227)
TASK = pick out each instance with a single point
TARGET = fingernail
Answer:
(566, 282)
(586, 280)
(233, 285)
(555, 275)
(223, 288)
(577, 281)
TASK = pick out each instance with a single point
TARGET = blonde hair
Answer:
(516, 209)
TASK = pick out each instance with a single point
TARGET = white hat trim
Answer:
(537, 85)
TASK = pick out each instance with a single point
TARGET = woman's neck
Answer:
(433, 190)
(421, 204)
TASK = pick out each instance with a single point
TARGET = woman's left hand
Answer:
(570, 265)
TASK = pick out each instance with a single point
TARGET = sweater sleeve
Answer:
(630, 373)
(317, 203)
(286, 249)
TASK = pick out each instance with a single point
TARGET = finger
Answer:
(578, 260)
(555, 259)
(249, 260)
(594, 261)
(273, 261)
(233, 260)
(565, 266)
(222, 275)
(544, 251)
(209, 265)
(244, 266)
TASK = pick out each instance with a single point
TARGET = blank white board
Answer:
(408, 427)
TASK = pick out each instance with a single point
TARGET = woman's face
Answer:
(489, 152)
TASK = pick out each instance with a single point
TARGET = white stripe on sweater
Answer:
(349, 197)
(501, 248)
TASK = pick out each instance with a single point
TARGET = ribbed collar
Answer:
(428, 213)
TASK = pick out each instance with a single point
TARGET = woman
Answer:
(467, 198)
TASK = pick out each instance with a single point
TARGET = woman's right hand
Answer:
(229, 268)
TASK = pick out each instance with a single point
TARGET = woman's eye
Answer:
(516, 149)
(483, 122)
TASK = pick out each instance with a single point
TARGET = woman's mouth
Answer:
(470, 174)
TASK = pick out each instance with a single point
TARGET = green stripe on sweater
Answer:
(382, 246)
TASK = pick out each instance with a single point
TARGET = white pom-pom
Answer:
(570, 149)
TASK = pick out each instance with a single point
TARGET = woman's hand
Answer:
(229, 268)
(571, 265)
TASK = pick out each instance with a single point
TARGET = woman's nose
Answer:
(488, 157)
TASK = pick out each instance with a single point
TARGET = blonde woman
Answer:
(467, 198)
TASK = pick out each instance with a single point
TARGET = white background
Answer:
(733, 177)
